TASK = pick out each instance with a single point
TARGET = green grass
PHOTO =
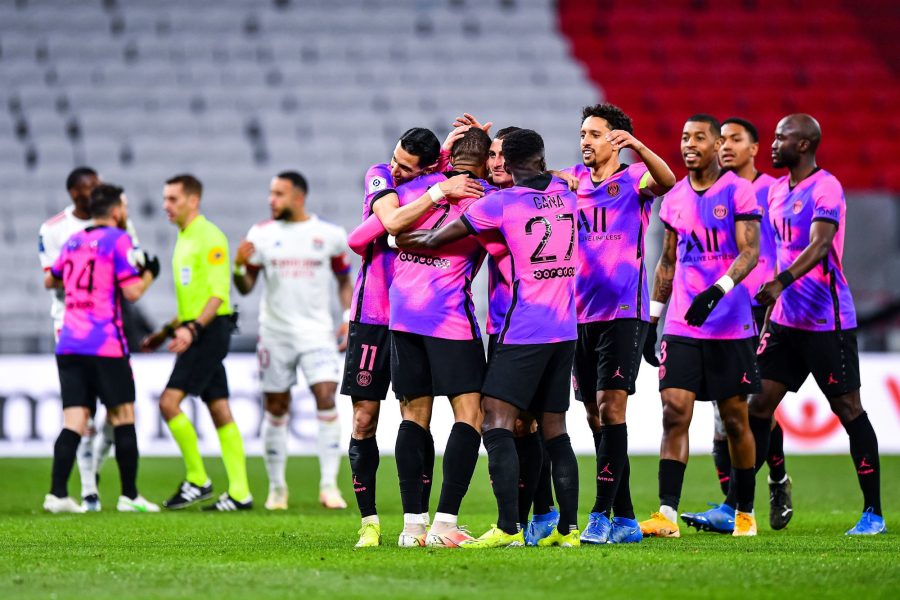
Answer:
(307, 552)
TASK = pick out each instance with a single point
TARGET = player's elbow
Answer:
(133, 292)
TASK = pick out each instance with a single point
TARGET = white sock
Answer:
(784, 479)
(370, 519)
(103, 442)
(274, 436)
(425, 519)
(669, 513)
(445, 518)
(412, 519)
(328, 447)
(85, 457)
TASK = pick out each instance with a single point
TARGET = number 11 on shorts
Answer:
(371, 356)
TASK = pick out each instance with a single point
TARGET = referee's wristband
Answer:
(785, 278)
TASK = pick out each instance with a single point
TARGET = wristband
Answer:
(240, 270)
(392, 241)
(168, 330)
(726, 284)
(436, 193)
(785, 278)
(346, 316)
(656, 308)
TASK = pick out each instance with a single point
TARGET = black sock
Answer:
(622, 506)
(531, 461)
(125, 440)
(409, 456)
(503, 467)
(63, 459)
(565, 481)
(543, 495)
(722, 460)
(775, 455)
(745, 488)
(611, 457)
(760, 428)
(460, 458)
(427, 471)
(364, 459)
(864, 450)
(671, 479)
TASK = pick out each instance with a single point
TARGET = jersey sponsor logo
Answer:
(216, 256)
(318, 243)
(377, 183)
(185, 275)
(364, 378)
(428, 261)
(797, 206)
(720, 211)
(612, 190)
(555, 273)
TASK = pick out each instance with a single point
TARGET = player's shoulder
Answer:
(378, 178)
(825, 181)
(735, 183)
(262, 228)
(636, 170)
(55, 221)
(764, 180)
(678, 191)
(379, 170)
(328, 227)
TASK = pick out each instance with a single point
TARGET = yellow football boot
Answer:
(744, 525)
(659, 526)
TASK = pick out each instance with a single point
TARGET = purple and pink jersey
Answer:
(93, 265)
(431, 291)
(613, 216)
(707, 245)
(499, 268)
(538, 221)
(821, 299)
(765, 268)
(370, 295)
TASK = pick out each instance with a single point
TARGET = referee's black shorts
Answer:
(199, 370)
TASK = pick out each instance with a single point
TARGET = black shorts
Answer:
(788, 355)
(367, 365)
(532, 377)
(712, 369)
(422, 365)
(84, 378)
(199, 370)
(493, 340)
(608, 356)
(759, 316)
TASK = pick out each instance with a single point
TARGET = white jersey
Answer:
(54, 233)
(298, 261)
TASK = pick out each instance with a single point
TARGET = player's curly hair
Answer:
(471, 148)
(522, 146)
(614, 115)
(421, 142)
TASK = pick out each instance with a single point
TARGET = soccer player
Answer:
(530, 366)
(298, 254)
(96, 268)
(97, 438)
(740, 144)
(612, 301)
(200, 337)
(711, 243)
(812, 328)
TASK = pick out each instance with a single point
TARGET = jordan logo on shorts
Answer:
(744, 378)
(831, 379)
(618, 373)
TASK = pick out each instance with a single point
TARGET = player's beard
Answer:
(284, 214)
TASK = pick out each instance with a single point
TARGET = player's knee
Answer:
(847, 407)
(553, 425)
(612, 412)
(278, 406)
(365, 423)
(735, 425)
(675, 416)
(121, 415)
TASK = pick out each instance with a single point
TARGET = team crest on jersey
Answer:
(377, 183)
(612, 190)
(216, 256)
(797, 207)
(364, 378)
(720, 211)
(318, 243)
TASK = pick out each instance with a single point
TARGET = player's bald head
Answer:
(805, 127)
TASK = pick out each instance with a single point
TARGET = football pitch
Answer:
(307, 552)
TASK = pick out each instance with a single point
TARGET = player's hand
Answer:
(467, 119)
(461, 186)
(412, 239)
(453, 137)
(342, 333)
(244, 251)
(182, 339)
(151, 263)
(703, 304)
(153, 341)
(620, 139)
(768, 292)
(570, 179)
(649, 351)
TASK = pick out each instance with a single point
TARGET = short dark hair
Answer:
(473, 147)
(189, 183)
(506, 131)
(614, 115)
(713, 123)
(104, 197)
(76, 175)
(421, 142)
(296, 179)
(750, 127)
(522, 146)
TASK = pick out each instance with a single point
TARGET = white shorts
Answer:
(279, 360)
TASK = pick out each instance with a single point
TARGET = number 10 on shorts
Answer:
(369, 352)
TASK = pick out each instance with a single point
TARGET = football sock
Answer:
(722, 460)
(63, 460)
(235, 461)
(408, 454)
(103, 443)
(760, 428)
(274, 434)
(775, 456)
(460, 458)
(622, 506)
(427, 471)
(543, 494)
(328, 447)
(530, 451)
(127, 458)
(864, 450)
(612, 453)
(565, 481)
(186, 437)
(86, 462)
(364, 459)
(503, 467)
(745, 488)
(671, 479)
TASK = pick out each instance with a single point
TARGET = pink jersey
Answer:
(499, 268)
(538, 221)
(705, 225)
(820, 300)
(370, 295)
(93, 265)
(613, 217)
(431, 292)
(765, 268)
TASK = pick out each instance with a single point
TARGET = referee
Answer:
(200, 336)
